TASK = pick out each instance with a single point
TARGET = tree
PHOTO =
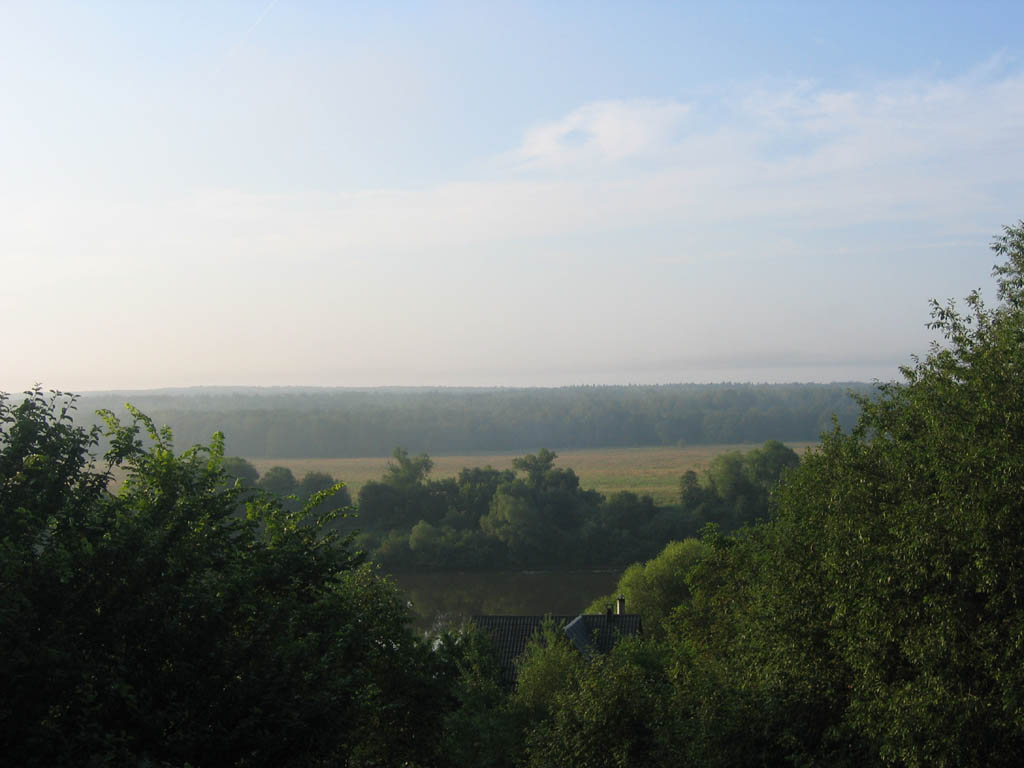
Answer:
(517, 524)
(406, 470)
(279, 481)
(240, 469)
(476, 487)
(655, 588)
(480, 729)
(877, 619)
(313, 483)
(736, 487)
(536, 466)
(766, 465)
(614, 712)
(159, 626)
(922, 517)
(544, 669)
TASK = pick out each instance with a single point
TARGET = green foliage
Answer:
(474, 489)
(877, 619)
(737, 487)
(158, 625)
(321, 493)
(489, 518)
(751, 668)
(480, 730)
(655, 588)
(614, 711)
(536, 466)
(543, 670)
(279, 481)
(407, 471)
(240, 469)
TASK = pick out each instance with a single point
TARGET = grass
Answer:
(651, 470)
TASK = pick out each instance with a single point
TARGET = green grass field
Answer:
(653, 470)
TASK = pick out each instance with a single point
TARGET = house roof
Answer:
(589, 633)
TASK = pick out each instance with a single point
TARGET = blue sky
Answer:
(496, 194)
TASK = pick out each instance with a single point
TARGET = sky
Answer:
(497, 194)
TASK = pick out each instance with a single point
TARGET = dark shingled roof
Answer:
(589, 633)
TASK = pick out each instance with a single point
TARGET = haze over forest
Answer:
(300, 193)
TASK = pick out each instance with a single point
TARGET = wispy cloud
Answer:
(912, 149)
(636, 215)
(604, 132)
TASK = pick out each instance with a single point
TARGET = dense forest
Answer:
(875, 619)
(336, 423)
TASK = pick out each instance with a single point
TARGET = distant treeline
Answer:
(338, 423)
(535, 516)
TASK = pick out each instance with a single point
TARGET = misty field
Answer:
(653, 470)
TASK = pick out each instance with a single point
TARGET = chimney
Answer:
(620, 605)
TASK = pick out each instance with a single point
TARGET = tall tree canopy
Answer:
(158, 625)
(880, 617)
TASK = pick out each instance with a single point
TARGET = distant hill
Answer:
(302, 422)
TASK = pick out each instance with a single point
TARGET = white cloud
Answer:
(908, 149)
(604, 132)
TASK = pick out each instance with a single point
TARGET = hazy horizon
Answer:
(302, 194)
(742, 376)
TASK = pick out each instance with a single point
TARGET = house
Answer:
(588, 633)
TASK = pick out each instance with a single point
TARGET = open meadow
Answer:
(654, 470)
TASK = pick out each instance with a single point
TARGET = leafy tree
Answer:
(736, 487)
(915, 518)
(536, 466)
(279, 481)
(406, 471)
(519, 525)
(481, 730)
(765, 466)
(691, 494)
(476, 487)
(543, 670)
(313, 483)
(403, 497)
(157, 626)
(614, 711)
(617, 531)
(655, 588)
(878, 619)
(753, 670)
(240, 469)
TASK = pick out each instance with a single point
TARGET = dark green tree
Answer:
(238, 468)
(915, 518)
(403, 497)
(313, 483)
(158, 626)
(654, 589)
(278, 480)
(736, 487)
(614, 712)
(877, 619)
(537, 466)
(407, 471)
(480, 729)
